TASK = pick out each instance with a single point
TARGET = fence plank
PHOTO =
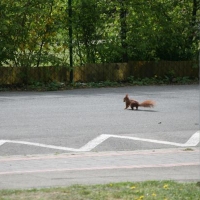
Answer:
(99, 72)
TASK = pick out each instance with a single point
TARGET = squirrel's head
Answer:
(125, 98)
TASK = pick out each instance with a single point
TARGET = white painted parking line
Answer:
(95, 142)
(2, 142)
(193, 141)
(38, 145)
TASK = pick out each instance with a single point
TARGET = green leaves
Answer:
(35, 32)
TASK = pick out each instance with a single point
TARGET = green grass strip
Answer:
(149, 190)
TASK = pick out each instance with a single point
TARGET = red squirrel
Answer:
(136, 104)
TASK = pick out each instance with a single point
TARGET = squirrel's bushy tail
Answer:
(147, 103)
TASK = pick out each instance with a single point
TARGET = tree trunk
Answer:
(123, 13)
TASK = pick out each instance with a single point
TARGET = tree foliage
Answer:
(35, 32)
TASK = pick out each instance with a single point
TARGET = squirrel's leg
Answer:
(127, 105)
(133, 105)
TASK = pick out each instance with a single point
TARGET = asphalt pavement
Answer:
(86, 137)
(68, 120)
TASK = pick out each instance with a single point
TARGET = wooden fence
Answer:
(99, 72)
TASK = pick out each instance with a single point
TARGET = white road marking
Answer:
(38, 145)
(95, 142)
(2, 142)
(193, 141)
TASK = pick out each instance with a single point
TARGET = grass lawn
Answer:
(149, 190)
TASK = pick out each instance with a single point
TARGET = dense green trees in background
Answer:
(36, 32)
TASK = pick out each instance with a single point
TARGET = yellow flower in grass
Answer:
(141, 197)
(166, 186)
(154, 194)
(133, 187)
